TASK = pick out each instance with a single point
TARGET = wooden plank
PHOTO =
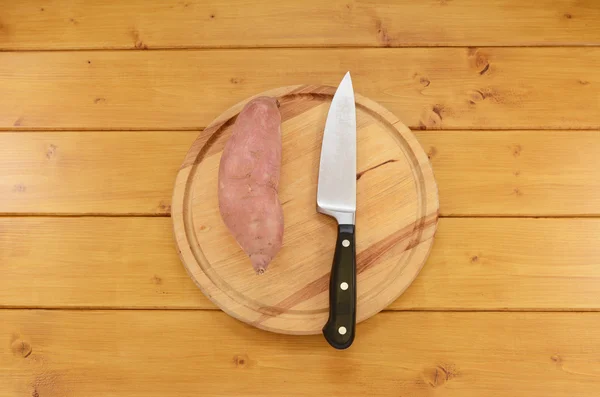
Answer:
(158, 353)
(90, 172)
(93, 262)
(509, 264)
(537, 173)
(447, 88)
(476, 264)
(137, 24)
(531, 173)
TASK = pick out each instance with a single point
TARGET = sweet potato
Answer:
(248, 182)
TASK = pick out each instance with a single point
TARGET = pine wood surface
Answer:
(122, 262)
(478, 173)
(157, 353)
(141, 25)
(427, 88)
(100, 102)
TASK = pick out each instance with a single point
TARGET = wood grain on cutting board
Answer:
(478, 173)
(397, 209)
(427, 88)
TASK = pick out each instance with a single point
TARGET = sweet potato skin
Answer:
(248, 181)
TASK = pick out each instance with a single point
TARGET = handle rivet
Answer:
(342, 330)
(346, 243)
(344, 286)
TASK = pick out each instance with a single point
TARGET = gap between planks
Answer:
(414, 130)
(216, 308)
(165, 215)
(297, 47)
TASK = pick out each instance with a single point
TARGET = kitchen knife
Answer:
(336, 197)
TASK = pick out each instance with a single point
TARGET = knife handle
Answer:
(339, 329)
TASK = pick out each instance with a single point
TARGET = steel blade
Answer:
(336, 193)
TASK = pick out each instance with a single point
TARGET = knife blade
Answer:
(336, 197)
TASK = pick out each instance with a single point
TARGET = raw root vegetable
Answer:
(248, 182)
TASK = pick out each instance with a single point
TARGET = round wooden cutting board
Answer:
(396, 218)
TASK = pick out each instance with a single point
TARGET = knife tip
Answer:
(347, 80)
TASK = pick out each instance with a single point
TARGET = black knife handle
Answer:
(339, 329)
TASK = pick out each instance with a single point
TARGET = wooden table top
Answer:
(100, 101)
